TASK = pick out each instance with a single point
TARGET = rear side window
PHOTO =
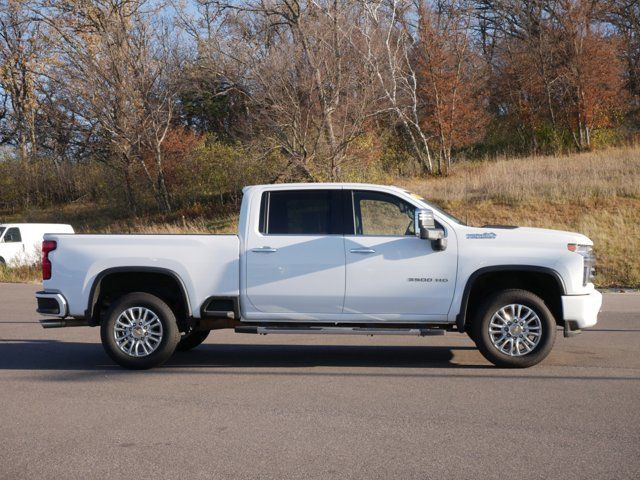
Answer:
(301, 212)
(12, 235)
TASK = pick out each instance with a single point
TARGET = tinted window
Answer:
(303, 212)
(12, 235)
(382, 214)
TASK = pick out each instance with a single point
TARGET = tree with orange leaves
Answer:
(450, 80)
(590, 69)
(554, 67)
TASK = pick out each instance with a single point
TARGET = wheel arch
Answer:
(526, 276)
(96, 292)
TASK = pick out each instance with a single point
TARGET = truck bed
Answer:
(207, 265)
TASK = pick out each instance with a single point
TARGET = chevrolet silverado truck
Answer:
(325, 259)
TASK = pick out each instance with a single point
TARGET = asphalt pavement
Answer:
(318, 407)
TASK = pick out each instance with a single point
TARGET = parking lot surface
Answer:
(318, 407)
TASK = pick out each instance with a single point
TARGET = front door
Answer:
(390, 271)
(295, 261)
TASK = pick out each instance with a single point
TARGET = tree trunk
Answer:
(163, 194)
(26, 167)
(131, 200)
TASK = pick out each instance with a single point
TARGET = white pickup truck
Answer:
(325, 259)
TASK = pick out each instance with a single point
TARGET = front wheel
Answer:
(514, 328)
(139, 331)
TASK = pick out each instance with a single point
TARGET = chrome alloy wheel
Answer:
(515, 330)
(138, 331)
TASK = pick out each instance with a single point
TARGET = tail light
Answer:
(47, 247)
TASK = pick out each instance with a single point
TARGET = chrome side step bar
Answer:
(62, 323)
(420, 332)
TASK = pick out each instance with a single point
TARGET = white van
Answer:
(21, 243)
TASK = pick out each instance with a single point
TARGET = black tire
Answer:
(192, 339)
(491, 352)
(470, 331)
(169, 333)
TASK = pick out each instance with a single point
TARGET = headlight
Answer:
(589, 269)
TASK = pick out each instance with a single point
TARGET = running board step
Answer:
(420, 332)
(70, 322)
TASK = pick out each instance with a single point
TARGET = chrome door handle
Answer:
(362, 250)
(264, 250)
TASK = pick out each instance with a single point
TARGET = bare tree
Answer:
(299, 66)
(117, 85)
(450, 79)
(390, 39)
(21, 51)
(624, 15)
(156, 75)
(522, 62)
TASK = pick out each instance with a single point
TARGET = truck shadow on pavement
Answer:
(87, 361)
(55, 355)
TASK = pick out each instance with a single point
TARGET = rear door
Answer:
(295, 261)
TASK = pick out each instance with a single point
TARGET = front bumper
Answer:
(52, 303)
(582, 310)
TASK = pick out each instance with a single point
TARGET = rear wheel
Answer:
(471, 334)
(514, 328)
(192, 339)
(139, 331)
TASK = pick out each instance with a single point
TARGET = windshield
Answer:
(436, 207)
(2, 229)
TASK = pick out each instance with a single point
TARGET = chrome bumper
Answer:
(52, 304)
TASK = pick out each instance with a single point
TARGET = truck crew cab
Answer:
(325, 259)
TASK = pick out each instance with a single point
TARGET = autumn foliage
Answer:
(156, 105)
(451, 81)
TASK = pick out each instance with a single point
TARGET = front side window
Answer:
(300, 212)
(381, 214)
(12, 236)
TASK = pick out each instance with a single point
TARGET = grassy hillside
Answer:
(596, 193)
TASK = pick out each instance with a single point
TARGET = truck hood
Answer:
(501, 234)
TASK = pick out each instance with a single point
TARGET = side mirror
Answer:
(425, 226)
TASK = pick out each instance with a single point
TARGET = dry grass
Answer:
(576, 178)
(219, 226)
(25, 274)
(597, 194)
(91, 218)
